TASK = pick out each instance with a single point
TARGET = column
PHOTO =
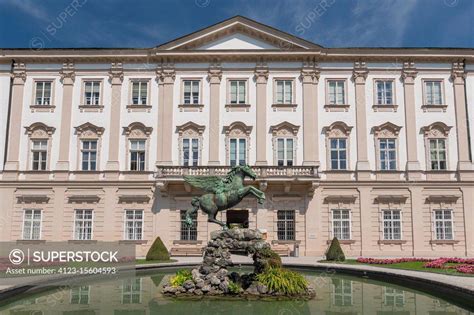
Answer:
(215, 76)
(67, 79)
(14, 134)
(166, 76)
(261, 77)
(416, 198)
(366, 221)
(116, 79)
(458, 76)
(359, 75)
(310, 78)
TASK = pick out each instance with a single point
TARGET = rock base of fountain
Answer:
(212, 277)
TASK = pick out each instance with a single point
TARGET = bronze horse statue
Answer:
(222, 192)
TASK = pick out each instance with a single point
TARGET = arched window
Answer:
(137, 146)
(39, 146)
(89, 143)
(190, 143)
(284, 143)
(386, 146)
(237, 141)
(337, 144)
(436, 146)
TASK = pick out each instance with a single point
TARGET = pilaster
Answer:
(166, 76)
(261, 78)
(309, 79)
(215, 77)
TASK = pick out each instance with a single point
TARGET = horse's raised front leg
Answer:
(260, 195)
(212, 218)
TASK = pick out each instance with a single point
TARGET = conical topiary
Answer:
(158, 251)
(334, 252)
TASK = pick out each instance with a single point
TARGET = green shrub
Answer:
(181, 277)
(266, 258)
(157, 251)
(334, 252)
(283, 280)
(234, 288)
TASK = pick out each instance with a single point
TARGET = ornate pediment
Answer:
(39, 130)
(238, 33)
(386, 130)
(191, 129)
(436, 130)
(284, 129)
(237, 128)
(88, 130)
(137, 130)
(337, 129)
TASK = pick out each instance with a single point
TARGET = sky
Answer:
(330, 23)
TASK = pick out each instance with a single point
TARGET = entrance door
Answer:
(239, 218)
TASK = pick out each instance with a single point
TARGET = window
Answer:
(384, 92)
(443, 222)
(89, 155)
(80, 294)
(392, 224)
(338, 153)
(341, 224)
(39, 154)
(284, 92)
(139, 92)
(188, 233)
(83, 224)
(237, 92)
(285, 152)
(190, 152)
(131, 291)
(32, 224)
(388, 154)
(133, 224)
(137, 155)
(191, 92)
(43, 93)
(342, 292)
(286, 225)
(336, 92)
(433, 93)
(92, 93)
(238, 150)
(394, 297)
(438, 154)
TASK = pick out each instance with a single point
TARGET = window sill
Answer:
(434, 108)
(139, 108)
(182, 242)
(276, 242)
(390, 242)
(237, 107)
(190, 107)
(82, 241)
(30, 241)
(385, 108)
(337, 107)
(284, 107)
(42, 108)
(342, 242)
(443, 242)
(91, 108)
(137, 242)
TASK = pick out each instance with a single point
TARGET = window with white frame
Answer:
(132, 291)
(342, 292)
(190, 152)
(80, 294)
(137, 155)
(341, 224)
(388, 154)
(285, 152)
(336, 92)
(188, 233)
(338, 153)
(32, 224)
(89, 155)
(438, 154)
(39, 154)
(284, 91)
(83, 224)
(43, 93)
(133, 225)
(191, 91)
(392, 224)
(384, 92)
(238, 91)
(286, 225)
(433, 92)
(393, 297)
(92, 92)
(139, 92)
(443, 224)
(238, 151)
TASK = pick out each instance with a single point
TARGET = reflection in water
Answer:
(336, 294)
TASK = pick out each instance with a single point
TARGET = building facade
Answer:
(370, 145)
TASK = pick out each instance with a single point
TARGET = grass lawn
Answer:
(144, 261)
(416, 266)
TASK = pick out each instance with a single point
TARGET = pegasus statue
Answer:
(222, 192)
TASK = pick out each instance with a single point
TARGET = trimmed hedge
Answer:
(334, 252)
(158, 251)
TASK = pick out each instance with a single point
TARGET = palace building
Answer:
(373, 146)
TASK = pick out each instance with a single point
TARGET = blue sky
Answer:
(330, 23)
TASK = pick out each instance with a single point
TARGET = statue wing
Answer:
(212, 184)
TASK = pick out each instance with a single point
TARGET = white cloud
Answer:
(28, 7)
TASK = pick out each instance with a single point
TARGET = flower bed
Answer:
(463, 265)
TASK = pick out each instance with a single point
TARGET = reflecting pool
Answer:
(140, 294)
